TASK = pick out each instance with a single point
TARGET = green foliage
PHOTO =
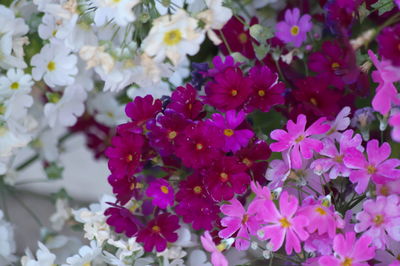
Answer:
(383, 6)
(54, 171)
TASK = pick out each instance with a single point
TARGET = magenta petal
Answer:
(292, 242)
(277, 235)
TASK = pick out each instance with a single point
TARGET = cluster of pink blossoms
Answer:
(329, 197)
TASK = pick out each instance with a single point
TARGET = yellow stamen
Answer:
(261, 93)
(172, 37)
(314, 101)
(172, 134)
(197, 189)
(299, 138)
(320, 210)
(295, 30)
(14, 86)
(247, 162)
(234, 92)
(335, 65)
(156, 229)
(228, 132)
(164, 189)
(51, 66)
(242, 38)
(199, 146)
(285, 223)
(224, 177)
(378, 220)
(371, 169)
(347, 262)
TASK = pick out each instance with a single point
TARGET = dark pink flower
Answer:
(124, 188)
(234, 138)
(349, 251)
(378, 167)
(158, 232)
(295, 28)
(143, 109)
(298, 140)
(389, 44)
(220, 65)
(229, 90)
(161, 192)
(184, 101)
(199, 145)
(226, 177)
(267, 91)
(122, 220)
(125, 154)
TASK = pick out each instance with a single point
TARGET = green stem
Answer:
(225, 42)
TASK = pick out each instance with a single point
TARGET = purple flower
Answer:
(161, 192)
(297, 139)
(294, 29)
(234, 138)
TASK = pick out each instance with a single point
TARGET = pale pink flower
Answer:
(378, 167)
(238, 219)
(380, 219)
(386, 92)
(321, 244)
(349, 251)
(341, 123)
(391, 187)
(217, 258)
(334, 161)
(394, 121)
(283, 223)
(298, 140)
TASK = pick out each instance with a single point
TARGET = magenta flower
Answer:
(394, 121)
(122, 220)
(217, 258)
(349, 251)
(199, 145)
(380, 219)
(389, 43)
(225, 178)
(158, 232)
(124, 188)
(234, 138)
(125, 154)
(263, 194)
(267, 90)
(294, 29)
(143, 109)
(161, 192)
(378, 167)
(386, 92)
(238, 220)
(284, 223)
(220, 65)
(229, 90)
(297, 139)
(334, 162)
(184, 101)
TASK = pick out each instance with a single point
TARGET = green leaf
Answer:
(363, 12)
(383, 6)
(54, 171)
(261, 51)
(261, 33)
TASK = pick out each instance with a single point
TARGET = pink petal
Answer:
(360, 177)
(361, 251)
(232, 224)
(234, 208)
(242, 239)
(207, 242)
(218, 259)
(317, 127)
(377, 155)
(355, 159)
(295, 157)
(292, 242)
(277, 235)
(288, 204)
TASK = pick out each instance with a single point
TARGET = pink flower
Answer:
(379, 219)
(217, 258)
(294, 29)
(234, 138)
(161, 192)
(143, 109)
(298, 141)
(349, 251)
(378, 167)
(319, 243)
(284, 223)
(394, 121)
(386, 92)
(238, 219)
(334, 161)
(341, 122)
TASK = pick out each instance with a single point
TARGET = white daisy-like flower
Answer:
(49, 26)
(62, 214)
(127, 252)
(65, 111)
(15, 107)
(85, 256)
(107, 110)
(63, 246)
(173, 37)
(7, 242)
(119, 11)
(121, 75)
(11, 139)
(180, 72)
(214, 18)
(55, 64)
(43, 257)
(16, 81)
(157, 90)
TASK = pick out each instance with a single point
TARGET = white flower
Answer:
(122, 75)
(214, 18)
(55, 64)
(16, 81)
(43, 255)
(16, 106)
(65, 111)
(107, 110)
(10, 138)
(170, 5)
(85, 256)
(173, 37)
(157, 90)
(128, 252)
(118, 11)
(63, 246)
(48, 28)
(95, 56)
(7, 242)
(62, 214)
(198, 258)
(180, 73)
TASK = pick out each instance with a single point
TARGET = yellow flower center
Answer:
(172, 37)
(87, 264)
(234, 92)
(228, 132)
(242, 38)
(172, 134)
(164, 189)
(378, 219)
(247, 162)
(156, 229)
(295, 30)
(285, 223)
(245, 218)
(338, 158)
(261, 93)
(2, 109)
(129, 158)
(371, 169)
(320, 210)
(335, 65)
(314, 101)
(347, 262)
(223, 177)
(199, 146)
(299, 139)
(197, 189)
(3, 130)
(221, 247)
(385, 190)
(51, 66)
(14, 86)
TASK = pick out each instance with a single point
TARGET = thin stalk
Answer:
(225, 42)
(22, 203)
